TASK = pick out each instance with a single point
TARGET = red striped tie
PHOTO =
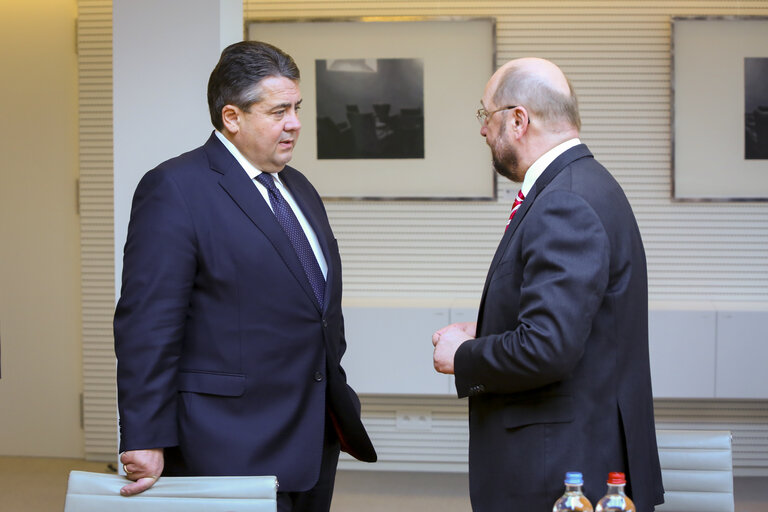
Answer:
(515, 206)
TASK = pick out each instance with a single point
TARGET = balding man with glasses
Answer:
(556, 367)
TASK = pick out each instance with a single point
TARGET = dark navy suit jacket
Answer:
(224, 356)
(559, 376)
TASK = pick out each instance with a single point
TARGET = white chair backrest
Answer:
(697, 470)
(99, 492)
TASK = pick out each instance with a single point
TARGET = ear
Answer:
(231, 117)
(519, 121)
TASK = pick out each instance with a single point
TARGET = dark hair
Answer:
(242, 66)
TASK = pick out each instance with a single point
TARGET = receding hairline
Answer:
(539, 85)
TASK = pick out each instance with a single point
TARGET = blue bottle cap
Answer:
(574, 478)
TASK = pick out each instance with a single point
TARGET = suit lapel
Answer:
(560, 163)
(241, 189)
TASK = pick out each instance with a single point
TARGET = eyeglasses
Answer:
(483, 115)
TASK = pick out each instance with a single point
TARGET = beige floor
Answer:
(29, 484)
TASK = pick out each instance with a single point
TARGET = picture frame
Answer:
(712, 108)
(458, 58)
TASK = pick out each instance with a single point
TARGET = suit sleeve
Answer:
(158, 273)
(565, 263)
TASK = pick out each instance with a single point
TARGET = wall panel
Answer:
(441, 444)
(94, 42)
(617, 54)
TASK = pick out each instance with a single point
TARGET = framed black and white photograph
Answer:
(370, 108)
(720, 109)
(389, 105)
(756, 108)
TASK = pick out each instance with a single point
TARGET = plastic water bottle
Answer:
(573, 499)
(615, 500)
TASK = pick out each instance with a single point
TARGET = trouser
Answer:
(318, 498)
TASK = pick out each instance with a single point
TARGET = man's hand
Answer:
(447, 340)
(144, 467)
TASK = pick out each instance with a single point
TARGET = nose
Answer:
(484, 129)
(292, 122)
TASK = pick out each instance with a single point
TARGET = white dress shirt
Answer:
(252, 172)
(540, 165)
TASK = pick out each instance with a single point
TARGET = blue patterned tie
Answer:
(292, 228)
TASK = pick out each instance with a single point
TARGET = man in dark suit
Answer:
(556, 367)
(229, 331)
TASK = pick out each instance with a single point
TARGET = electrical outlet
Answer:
(413, 420)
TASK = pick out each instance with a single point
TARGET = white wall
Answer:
(163, 54)
(39, 251)
(618, 54)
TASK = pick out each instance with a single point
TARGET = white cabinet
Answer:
(682, 348)
(742, 354)
(697, 350)
(389, 350)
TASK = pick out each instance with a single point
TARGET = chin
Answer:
(283, 160)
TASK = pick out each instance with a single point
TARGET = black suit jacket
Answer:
(559, 376)
(224, 356)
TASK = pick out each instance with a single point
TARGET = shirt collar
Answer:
(247, 166)
(541, 163)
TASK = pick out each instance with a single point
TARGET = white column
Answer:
(163, 53)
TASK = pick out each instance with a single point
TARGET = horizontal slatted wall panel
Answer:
(617, 53)
(440, 448)
(96, 227)
(443, 447)
(746, 419)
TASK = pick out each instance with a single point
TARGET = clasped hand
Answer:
(447, 340)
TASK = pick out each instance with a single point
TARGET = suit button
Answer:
(319, 376)
(325, 323)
